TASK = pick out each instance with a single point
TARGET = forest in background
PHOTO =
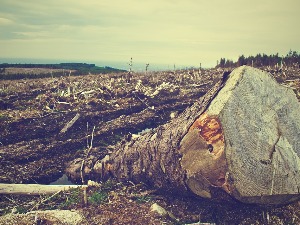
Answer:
(292, 58)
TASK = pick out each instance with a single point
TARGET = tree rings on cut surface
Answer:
(247, 141)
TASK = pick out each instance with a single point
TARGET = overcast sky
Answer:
(184, 32)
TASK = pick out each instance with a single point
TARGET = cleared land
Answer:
(34, 147)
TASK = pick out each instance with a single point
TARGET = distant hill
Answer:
(18, 70)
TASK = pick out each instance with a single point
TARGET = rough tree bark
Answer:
(242, 137)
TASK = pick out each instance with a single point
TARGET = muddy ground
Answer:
(35, 147)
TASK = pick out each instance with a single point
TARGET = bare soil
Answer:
(33, 148)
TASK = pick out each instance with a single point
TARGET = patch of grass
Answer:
(143, 199)
(98, 197)
(74, 198)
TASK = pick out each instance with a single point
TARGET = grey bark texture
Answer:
(242, 138)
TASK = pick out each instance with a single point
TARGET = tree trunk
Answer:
(242, 137)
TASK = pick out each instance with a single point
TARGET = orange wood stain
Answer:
(210, 128)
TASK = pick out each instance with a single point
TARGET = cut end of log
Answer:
(203, 155)
(246, 142)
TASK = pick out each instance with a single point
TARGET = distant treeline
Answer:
(77, 69)
(291, 59)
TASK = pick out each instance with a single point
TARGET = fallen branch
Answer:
(35, 189)
(70, 124)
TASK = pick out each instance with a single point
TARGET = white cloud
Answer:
(5, 22)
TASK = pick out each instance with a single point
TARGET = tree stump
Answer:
(242, 137)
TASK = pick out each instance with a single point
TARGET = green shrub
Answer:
(98, 197)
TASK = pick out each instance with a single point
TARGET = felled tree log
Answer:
(242, 137)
